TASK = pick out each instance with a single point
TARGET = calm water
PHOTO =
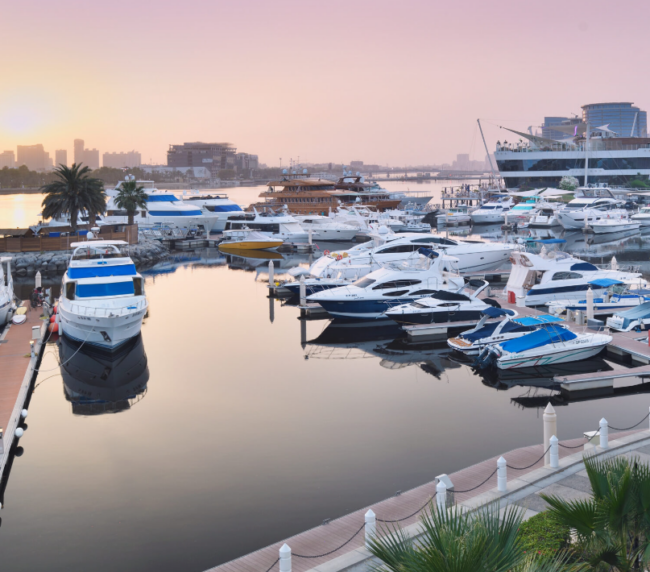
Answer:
(232, 424)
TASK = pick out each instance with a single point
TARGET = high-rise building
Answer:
(214, 156)
(620, 117)
(79, 151)
(7, 159)
(547, 127)
(245, 162)
(122, 160)
(91, 158)
(61, 157)
(33, 156)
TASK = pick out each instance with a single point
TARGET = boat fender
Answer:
(53, 328)
(52, 319)
(345, 255)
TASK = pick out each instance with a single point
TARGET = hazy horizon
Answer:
(375, 81)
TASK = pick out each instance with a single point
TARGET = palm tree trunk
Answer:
(92, 219)
(73, 220)
(131, 215)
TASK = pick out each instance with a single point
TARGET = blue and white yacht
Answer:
(392, 285)
(218, 205)
(102, 299)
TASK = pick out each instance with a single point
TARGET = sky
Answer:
(381, 81)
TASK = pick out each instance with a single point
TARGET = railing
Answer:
(54, 243)
(97, 312)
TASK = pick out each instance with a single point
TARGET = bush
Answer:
(543, 534)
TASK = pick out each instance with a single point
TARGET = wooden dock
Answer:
(17, 370)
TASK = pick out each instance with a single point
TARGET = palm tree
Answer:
(72, 192)
(457, 541)
(613, 528)
(131, 197)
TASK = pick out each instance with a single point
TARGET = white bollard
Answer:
(648, 418)
(441, 495)
(604, 434)
(586, 219)
(31, 348)
(303, 291)
(502, 475)
(310, 242)
(590, 304)
(555, 452)
(550, 429)
(271, 274)
(285, 558)
(371, 526)
(37, 280)
(614, 263)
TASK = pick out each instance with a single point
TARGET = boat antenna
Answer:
(486, 149)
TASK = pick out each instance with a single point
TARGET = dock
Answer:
(18, 370)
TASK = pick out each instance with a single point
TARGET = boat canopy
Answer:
(583, 266)
(538, 320)
(428, 252)
(497, 312)
(639, 312)
(605, 282)
(537, 339)
(487, 330)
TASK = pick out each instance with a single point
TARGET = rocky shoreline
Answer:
(145, 254)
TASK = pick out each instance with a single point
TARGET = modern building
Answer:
(245, 162)
(623, 119)
(547, 127)
(89, 157)
(78, 151)
(194, 172)
(7, 159)
(33, 156)
(214, 156)
(122, 160)
(61, 157)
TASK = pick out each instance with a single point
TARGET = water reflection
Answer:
(97, 382)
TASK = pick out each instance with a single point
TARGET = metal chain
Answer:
(633, 426)
(581, 444)
(272, 565)
(332, 551)
(531, 465)
(479, 485)
(412, 514)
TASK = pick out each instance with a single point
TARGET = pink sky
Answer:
(398, 82)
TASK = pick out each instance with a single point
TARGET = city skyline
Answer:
(391, 86)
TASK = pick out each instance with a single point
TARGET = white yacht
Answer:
(281, 226)
(455, 215)
(642, 217)
(611, 224)
(522, 212)
(218, 205)
(325, 229)
(6, 289)
(545, 215)
(493, 211)
(102, 299)
(555, 275)
(589, 205)
(394, 284)
(365, 219)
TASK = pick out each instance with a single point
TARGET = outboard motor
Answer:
(487, 358)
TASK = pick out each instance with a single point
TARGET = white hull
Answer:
(334, 235)
(551, 356)
(605, 228)
(487, 218)
(642, 219)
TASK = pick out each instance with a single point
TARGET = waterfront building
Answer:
(7, 159)
(245, 162)
(89, 157)
(549, 122)
(78, 151)
(61, 157)
(33, 156)
(623, 119)
(213, 156)
(122, 160)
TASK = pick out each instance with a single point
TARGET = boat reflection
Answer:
(97, 382)
(205, 257)
(383, 340)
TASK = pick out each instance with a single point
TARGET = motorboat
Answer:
(631, 319)
(6, 290)
(102, 299)
(493, 211)
(444, 306)
(614, 297)
(589, 205)
(344, 276)
(218, 205)
(607, 225)
(281, 226)
(522, 212)
(456, 215)
(550, 345)
(246, 239)
(536, 279)
(472, 256)
(642, 217)
(545, 216)
(394, 284)
(324, 229)
(364, 219)
(412, 222)
(486, 333)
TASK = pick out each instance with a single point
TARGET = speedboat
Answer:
(631, 319)
(522, 212)
(444, 306)
(281, 226)
(472, 342)
(102, 299)
(642, 217)
(392, 285)
(325, 229)
(493, 211)
(344, 276)
(456, 215)
(218, 205)
(588, 206)
(246, 239)
(546, 346)
(555, 275)
(621, 298)
(609, 224)
(6, 289)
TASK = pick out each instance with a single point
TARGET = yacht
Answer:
(280, 226)
(492, 211)
(365, 219)
(6, 289)
(614, 297)
(246, 239)
(218, 205)
(555, 275)
(102, 299)
(522, 212)
(455, 215)
(545, 216)
(631, 319)
(323, 228)
(642, 217)
(394, 284)
(589, 205)
(611, 224)
(344, 276)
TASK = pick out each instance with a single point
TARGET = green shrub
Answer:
(543, 534)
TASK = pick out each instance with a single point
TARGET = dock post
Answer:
(550, 429)
(371, 526)
(310, 240)
(502, 475)
(303, 291)
(604, 434)
(441, 495)
(285, 558)
(555, 452)
(271, 274)
(37, 280)
(590, 304)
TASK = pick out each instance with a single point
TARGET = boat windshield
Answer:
(363, 282)
(96, 253)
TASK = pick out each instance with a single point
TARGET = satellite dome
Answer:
(304, 171)
(284, 171)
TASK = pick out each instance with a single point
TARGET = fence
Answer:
(53, 243)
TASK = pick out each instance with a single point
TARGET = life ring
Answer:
(326, 253)
(339, 257)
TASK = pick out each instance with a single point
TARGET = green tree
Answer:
(613, 528)
(131, 197)
(73, 192)
(569, 183)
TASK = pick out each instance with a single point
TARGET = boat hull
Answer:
(608, 228)
(250, 245)
(551, 356)
(361, 309)
(439, 317)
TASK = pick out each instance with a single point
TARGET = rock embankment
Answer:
(146, 253)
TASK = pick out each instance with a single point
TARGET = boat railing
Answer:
(632, 268)
(94, 312)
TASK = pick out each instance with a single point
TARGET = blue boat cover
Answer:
(100, 290)
(550, 240)
(102, 271)
(537, 339)
(428, 252)
(605, 282)
(538, 320)
(487, 330)
(496, 312)
(637, 313)
(161, 199)
(583, 266)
